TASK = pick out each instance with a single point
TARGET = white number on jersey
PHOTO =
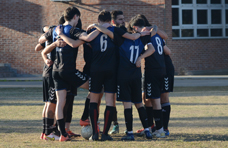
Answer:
(103, 42)
(159, 46)
(133, 48)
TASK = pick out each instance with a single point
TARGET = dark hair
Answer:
(104, 16)
(116, 13)
(79, 25)
(135, 21)
(61, 20)
(70, 12)
(145, 19)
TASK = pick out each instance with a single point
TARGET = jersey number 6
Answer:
(103, 42)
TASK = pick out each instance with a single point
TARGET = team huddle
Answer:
(112, 54)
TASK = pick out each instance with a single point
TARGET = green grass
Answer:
(198, 119)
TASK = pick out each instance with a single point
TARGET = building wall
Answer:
(21, 22)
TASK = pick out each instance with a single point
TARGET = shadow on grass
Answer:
(196, 137)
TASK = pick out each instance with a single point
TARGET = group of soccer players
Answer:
(113, 55)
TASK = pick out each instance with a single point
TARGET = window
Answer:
(195, 19)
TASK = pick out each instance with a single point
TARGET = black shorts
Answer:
(86, 69)
(129, 90)
(66, 79)
(100, 79)
(49, 90)
(154, 80)
(168, 81)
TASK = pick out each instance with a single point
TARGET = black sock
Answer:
(108, 116)
(69, 110)
(128, 118)
(115, 117)
(149, 112)
(158, 118)
(94, 116)
(44, 125)
(85, 114)
(143, 117)
(166, 108)
(61, 124)
(49, 123)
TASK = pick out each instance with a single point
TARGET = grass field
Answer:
(199, 118)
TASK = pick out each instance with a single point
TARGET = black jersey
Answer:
(66, 56)
(103, 53)
(49, 37)
(129, 51)
(156, 60)
(168, 63)
(47, 70)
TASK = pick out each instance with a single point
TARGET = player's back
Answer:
(156, 60)
(65, 56)
(129, 52)
(103, 53)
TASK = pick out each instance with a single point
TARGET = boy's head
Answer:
(136, 24)
(117, 18)
(104, 17)
(145, 19)
(72, 14)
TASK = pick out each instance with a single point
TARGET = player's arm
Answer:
(162, 34)
(42, 39)
(39, 47)
(49, 48)
(104, 30)
(166, 49)
(149, 51)
(71, 42)
(89, 37)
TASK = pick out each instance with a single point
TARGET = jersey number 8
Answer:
(159, 46)
(103, 42)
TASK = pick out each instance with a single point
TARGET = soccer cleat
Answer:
(84, 123)
(94, 137)
(52, 137)
(128, 137)
(115, 129)
(71, 134)
(62, 138)
(166, 132)
(106, 137)
(148, 134)
(42, 136)
(159, 134)
(140, 132)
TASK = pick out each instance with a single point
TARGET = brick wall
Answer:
(21, 22)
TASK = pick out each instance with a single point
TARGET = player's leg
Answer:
(93, 112)
(165, 103)
(84, 121)
(115, 129)
(108, 115)
(61, 100)
(153, 87)
(166, 109)
(137, 100)
(68, 109)
(128, 116)
(144, 119)
(44, 124)
(157, 111)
